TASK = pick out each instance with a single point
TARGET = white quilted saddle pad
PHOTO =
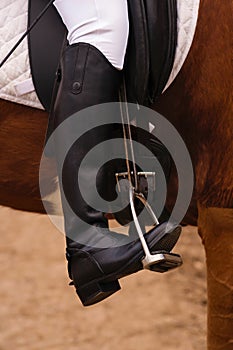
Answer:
(15, 76)
(187, 22)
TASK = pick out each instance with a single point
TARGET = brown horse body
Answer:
(199, 104)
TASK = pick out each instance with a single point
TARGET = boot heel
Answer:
(97, 291)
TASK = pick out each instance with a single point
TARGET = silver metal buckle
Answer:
(148, 175)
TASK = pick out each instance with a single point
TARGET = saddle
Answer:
(45, 42)
(151, 46)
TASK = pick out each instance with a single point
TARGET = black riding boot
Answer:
(97, 258)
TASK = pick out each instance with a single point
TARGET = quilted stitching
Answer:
(13, 23)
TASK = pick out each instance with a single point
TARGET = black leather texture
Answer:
(45, 43)
(151, 48)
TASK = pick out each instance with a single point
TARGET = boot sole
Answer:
(100, 289)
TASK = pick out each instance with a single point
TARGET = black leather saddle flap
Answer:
(45, 44)
(151, 48)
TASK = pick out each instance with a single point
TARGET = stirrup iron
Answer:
(161, 261)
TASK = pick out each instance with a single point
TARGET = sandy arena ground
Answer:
(38, 310)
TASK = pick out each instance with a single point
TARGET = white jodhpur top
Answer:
(101, 23)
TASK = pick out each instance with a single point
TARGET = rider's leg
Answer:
(97, 258)
(102, 24)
